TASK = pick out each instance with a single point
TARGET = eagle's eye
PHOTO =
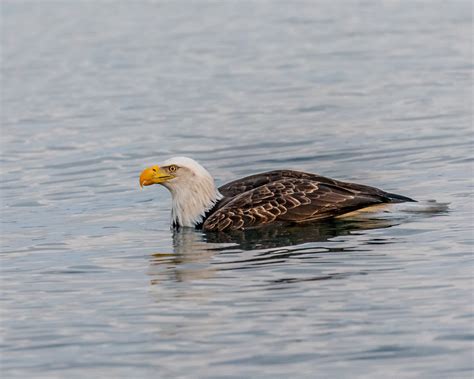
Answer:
(172, 168)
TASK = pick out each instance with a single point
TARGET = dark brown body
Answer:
(285, 196)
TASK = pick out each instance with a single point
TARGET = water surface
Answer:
(94, 283)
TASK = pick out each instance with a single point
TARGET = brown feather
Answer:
(288, 199)
(285, 196)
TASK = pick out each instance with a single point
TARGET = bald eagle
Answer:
(279, 197)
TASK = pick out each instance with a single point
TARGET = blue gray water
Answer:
(94, 283)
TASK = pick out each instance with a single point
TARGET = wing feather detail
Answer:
(248, 183)
(294, 197)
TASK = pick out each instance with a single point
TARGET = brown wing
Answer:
(288, 200)
(248, 183)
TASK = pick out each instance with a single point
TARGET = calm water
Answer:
(94, 284)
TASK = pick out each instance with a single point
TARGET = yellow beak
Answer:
(153, 175)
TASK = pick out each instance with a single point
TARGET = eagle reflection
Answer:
(285, 236)
(193, 250)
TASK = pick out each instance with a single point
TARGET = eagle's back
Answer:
(286, 196)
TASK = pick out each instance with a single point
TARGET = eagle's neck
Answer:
(192, 201)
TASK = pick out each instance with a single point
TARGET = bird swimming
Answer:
(279, 197)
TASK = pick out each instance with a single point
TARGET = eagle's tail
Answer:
(398, 198)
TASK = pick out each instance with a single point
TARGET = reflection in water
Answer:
(190, 259)
(287, 236)
(194, 250)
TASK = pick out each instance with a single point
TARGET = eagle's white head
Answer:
(192, 188)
